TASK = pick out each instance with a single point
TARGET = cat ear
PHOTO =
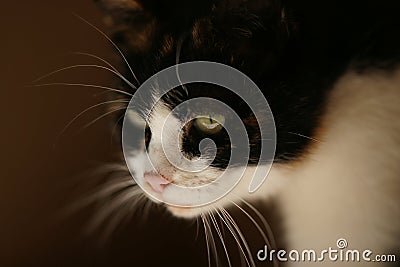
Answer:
(132, 23)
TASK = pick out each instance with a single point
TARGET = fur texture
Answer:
(329, 70)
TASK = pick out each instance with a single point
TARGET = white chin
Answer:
(185, 212)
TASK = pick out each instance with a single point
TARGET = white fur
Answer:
(347, 185)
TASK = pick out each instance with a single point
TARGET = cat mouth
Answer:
(156, 181)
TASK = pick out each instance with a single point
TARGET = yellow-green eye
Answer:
(210, 125)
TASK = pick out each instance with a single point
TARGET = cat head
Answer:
(251, 36)
(239, 33)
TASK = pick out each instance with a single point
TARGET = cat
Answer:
(329, 71)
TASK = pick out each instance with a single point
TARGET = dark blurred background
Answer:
(42, 174)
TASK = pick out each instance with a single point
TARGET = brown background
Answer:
(42, 174)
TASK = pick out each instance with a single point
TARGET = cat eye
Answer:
(209, 125)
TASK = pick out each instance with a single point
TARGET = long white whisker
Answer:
(85, 85)
(105, 190)
(305, 136)
(133, 208)
(214, 222)
(207, 239)
(96, 57)
(100, 117)
(111, 207)
(270, 233)
(88, 109)
(148, 204)
(124, 210)
(140, 201)
(232, 221)
(260, 230)
(242, 259)
(115, 46)
(211, 237)
(233, 233)
(254, 222)
(86, 66)
(115, 127)
(197, 228)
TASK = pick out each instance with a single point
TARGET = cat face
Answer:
(251, 36)
(197, 146)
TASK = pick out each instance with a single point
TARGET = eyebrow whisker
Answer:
(86, 66)
(111, 41)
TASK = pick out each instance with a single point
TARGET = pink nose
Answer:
(156, 181)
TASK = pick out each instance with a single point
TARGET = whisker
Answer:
(115, 46)
(197, 228)
(110, 207)
(96, 57)
(126, 209)
(211, 237)
(267, 226)
(307, 137)
(112, 167)
(233, 233)
(85, 85)
(254, 222)
(214, 222)
(266, 240)
(207, 239)
(113, 200)
(100, 117)
(232, 221)
(86, 110)
(114, 129)
(86, 66)
(139, 201)
(146, 208)
(103, 191)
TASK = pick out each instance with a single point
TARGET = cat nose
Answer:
(156, 181)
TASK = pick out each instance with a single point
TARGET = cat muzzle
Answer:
(156, 181)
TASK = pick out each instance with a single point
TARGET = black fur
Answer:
(294, 50)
